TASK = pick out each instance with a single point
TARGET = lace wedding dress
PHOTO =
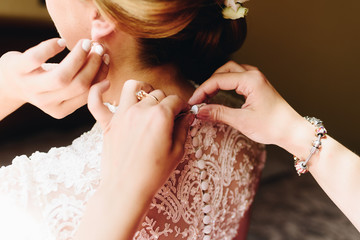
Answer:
(44, 196)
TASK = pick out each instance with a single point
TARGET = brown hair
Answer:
(191, 34)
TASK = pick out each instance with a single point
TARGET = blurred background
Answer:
(309, 50)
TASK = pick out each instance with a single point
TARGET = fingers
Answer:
(153, 98)
(174, 104)
(96, 106)
(220, 113)
(223, 81)
(103, 71)
(35, 56)
(70, 66)
(69, 106)
(93, 71)
(128, 93)
(249, 67)
(231, 66)
(181, 128)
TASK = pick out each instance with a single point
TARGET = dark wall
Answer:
(310, 52)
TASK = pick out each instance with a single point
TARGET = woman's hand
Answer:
(57, 89)
(265, 116)
(143, 143)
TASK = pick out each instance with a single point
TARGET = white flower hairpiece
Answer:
(234, 9)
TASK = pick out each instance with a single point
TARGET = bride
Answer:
(164, 44)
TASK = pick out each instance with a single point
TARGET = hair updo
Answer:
(190, 34)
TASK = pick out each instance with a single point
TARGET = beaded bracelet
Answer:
(320, 132)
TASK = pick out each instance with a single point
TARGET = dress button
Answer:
(206, 209)
(206, 237)
(207, 229)
(201, 164)
(206, 197)
(203, 175)
(195, 142)
(198, 153)
(206, 220)
(204, 185)
(193, 131)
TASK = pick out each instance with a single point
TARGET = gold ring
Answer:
(142, 94)
(155, 98)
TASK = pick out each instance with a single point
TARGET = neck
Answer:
(125, 65)
(165, 78)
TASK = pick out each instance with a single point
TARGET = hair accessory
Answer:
(320, 132)
(234, 10)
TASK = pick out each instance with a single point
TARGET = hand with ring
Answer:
(143, 144)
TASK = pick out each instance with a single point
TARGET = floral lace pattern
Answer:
(53, 188)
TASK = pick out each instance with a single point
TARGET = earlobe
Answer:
(101, 27)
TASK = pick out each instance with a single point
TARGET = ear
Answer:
(101, 27)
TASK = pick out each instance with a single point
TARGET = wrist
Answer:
(299, 137)
(123, 208)
(128, 192)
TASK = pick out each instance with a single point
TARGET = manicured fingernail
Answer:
(98, 49)
(86, 45)
(61, 42)
(191, 100)
(106, 59)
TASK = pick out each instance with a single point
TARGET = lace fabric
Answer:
(206, 196)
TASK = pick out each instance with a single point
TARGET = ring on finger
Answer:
(142, 94)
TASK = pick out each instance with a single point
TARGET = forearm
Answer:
(113, 214)
(337, 169)
(334, 167)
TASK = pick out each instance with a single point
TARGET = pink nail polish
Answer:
(106, 59)
(86, 45)
(98, 49)
(61, 43)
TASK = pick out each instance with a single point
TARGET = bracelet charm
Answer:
(320, 132)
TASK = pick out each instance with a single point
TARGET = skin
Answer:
(125, 65)
(335, 168)
(135, 125)
(267, 118)
(81, 19)
(131, 125)
(71, 19)
(60, 89)
(57, 89)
